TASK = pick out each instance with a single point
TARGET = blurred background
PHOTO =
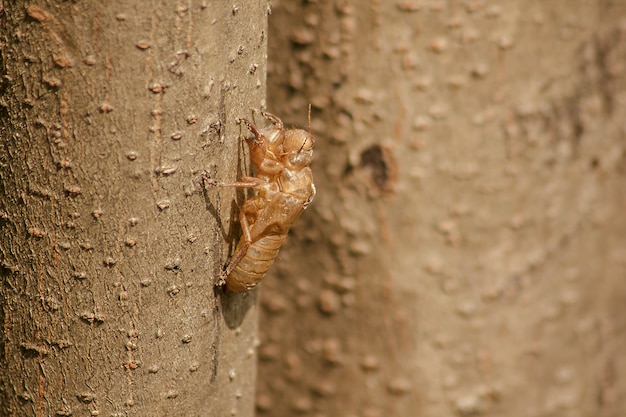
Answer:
(465, 252)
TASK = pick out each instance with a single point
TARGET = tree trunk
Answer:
(110, 244)
(465, 252)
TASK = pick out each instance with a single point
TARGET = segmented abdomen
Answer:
(255, 264)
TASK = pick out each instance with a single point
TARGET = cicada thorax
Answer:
(298, 184)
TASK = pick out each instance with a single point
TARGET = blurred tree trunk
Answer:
(466, 252)
(110, 248)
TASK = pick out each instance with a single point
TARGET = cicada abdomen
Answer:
(253, 266)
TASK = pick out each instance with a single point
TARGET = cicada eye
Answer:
(307, 144)
(299, 160)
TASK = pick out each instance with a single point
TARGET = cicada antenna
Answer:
(309, 127)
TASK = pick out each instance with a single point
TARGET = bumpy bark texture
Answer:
(110, 247)
(465, 254)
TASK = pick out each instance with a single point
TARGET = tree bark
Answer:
(111, 247)
(465, 252)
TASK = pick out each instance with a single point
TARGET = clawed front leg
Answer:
(257, 144)
(252, 128)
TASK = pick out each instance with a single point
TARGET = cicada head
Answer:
(297, 140)
(298, 148)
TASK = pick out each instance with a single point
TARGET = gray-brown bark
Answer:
(110, 249)
(465, 252)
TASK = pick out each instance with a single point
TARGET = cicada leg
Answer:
(250, 207)
(252, 128)
(241, 251)
(272, 118)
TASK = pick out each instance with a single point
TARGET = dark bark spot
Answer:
(382, 166)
